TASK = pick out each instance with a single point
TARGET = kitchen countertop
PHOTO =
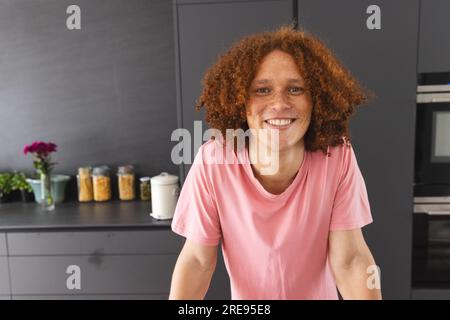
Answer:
(19, 216)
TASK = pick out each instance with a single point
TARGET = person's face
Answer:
(278, 99)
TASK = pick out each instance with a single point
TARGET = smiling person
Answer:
(294, 233)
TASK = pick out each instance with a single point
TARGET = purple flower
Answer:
(40, 148)
(51, 147)
(41, 151)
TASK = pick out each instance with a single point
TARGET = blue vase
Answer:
(58, 185)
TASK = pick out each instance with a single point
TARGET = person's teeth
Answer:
(279, 122)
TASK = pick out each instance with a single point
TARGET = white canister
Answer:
(165, 191)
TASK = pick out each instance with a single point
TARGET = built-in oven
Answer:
(432, 159)
(431, 219)
(431, 242)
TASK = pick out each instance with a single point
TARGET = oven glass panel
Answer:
(441, 136)
(431, 254)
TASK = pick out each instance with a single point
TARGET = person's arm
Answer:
(350, 260)
(193, 271)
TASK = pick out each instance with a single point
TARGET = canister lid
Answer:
(144, 179)
(101, 171)
(164, 179)
(85, 170)
(128, 169)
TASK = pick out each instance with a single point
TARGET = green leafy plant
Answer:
(5, 183)
(19, 182)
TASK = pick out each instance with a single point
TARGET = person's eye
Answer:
(262, 90)
(296, 90)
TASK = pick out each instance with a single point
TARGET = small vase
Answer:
(47, 202)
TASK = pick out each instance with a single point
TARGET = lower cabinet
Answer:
(55, 275)
(4, 277)
(124, 264)
(92, 297)
(91, 264)
(5, 292)
(430, 294)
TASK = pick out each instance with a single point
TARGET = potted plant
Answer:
(48, 189)
(19, 183)
(5, 187)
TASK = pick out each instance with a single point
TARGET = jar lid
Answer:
(144, 179)
(101, 171)
(164, 179)
(128, 169)
(85, 170)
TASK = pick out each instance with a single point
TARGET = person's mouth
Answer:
(279, 123)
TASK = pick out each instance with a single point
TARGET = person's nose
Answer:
(280, 102)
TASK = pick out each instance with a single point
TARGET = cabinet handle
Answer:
(440, 99)
(437, 213)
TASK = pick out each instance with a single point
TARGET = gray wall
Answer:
(104, 94)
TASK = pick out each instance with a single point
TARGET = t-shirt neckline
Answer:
(301, 172)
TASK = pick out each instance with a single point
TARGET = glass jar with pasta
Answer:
(102, 183)
(126, 178)
(84, 182)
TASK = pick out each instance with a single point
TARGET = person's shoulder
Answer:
(341, 150)
(344, 156)
(335, 152)
(334, 158)
(210, 152)
(210, 146)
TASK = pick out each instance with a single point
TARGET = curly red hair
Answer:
(334, 91)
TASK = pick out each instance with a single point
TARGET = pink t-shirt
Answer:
(274, 246)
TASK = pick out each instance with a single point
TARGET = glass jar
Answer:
(126, 182)
(145, 188)
(47, 201)
(102, 183)
(84, 182)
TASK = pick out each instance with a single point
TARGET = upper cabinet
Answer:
(434, 37)
(383, 59)
(377, 41)
(204, 30)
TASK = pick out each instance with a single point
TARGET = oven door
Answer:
(431, 242)
(432, 159)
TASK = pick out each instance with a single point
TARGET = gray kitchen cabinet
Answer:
(4, 269)
(205, 29)
(93, 297)
(2, 244)
(4, 277)
(430, 294)
(94, 243)
(434, 44)
(384, 61)
(112, 264)
(109, 274)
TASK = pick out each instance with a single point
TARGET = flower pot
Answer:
(58, 187)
